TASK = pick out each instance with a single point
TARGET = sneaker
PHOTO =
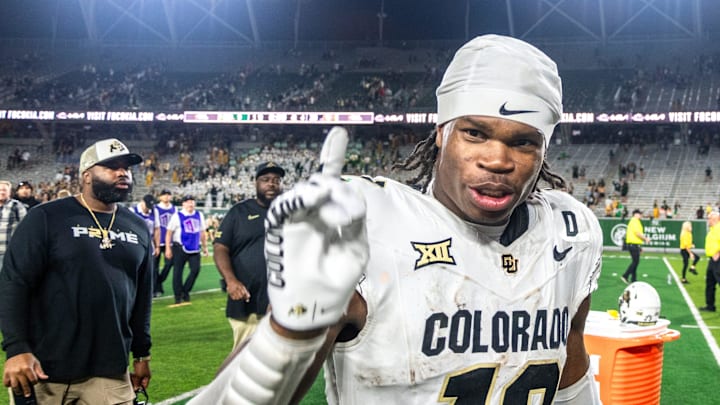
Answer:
(624, 279)
(693, 271)
(684, 281)
(157, 294)
(708, 309)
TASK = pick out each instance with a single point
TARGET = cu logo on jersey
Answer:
(509, 264)
(617, 234)
(434, 252)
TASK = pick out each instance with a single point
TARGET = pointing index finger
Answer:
(332, 156)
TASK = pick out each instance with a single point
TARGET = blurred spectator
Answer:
(165, 211)
(24, 194)
(11, 213)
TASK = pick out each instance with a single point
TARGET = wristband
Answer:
(140, 359)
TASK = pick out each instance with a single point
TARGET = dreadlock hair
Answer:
(425, 154)
(422, 157)
(556, 181)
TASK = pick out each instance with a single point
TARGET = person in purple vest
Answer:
(185, 240)
(165, 210)
(145, 209)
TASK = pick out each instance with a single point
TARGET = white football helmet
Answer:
(639, 304)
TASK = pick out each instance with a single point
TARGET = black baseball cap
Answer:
(165, 191)
(149, 201)
(188, 197)
(269, 167)
(25, 183)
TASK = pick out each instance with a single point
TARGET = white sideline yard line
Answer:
(167, 297)
(186, 395)
(627, 256)
(696, 314)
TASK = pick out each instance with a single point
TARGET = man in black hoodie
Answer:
(26, 194)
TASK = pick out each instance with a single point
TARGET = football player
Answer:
(475, 290)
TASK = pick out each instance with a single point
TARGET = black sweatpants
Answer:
(631, 272)
(711, 279)
(686, 258)
(182, 289)
(161, 274)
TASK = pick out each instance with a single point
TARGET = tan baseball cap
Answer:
(105, 151)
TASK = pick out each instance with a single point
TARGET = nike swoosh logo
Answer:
(559, 256)
(505, 111)
(251, 217)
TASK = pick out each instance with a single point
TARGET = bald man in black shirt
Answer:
(239, 255)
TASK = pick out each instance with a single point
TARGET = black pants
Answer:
(631, 272)
(161, 274)
(686, 258)
(180, 289)
(711, 279)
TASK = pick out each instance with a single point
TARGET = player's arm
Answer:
(156, 240)
(204, 235)
(640, 233)
(140, 324)
(203, 242)
(316, 250)
(221, 256)
(223, 260)
(577, 384)
(169, 234)
(346, 328)
(349, 326)
(20, 275)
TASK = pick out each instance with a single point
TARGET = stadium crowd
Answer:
(211, 163)
(214, 171)
(313, 79)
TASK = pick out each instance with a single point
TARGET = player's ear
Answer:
(86, 177)
(439, 136)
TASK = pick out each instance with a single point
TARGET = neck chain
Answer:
(106, 243)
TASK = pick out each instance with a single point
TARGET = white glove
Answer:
(316, 244)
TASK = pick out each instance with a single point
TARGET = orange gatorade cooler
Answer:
(627, 359)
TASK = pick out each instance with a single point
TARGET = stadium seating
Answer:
(158, 78)
(356, 79)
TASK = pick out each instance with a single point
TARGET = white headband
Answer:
(502, 77)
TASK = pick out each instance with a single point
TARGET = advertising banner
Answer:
(663, 233)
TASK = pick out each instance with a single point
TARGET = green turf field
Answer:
(190, 342)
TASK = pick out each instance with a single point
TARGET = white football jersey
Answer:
(454, 317)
